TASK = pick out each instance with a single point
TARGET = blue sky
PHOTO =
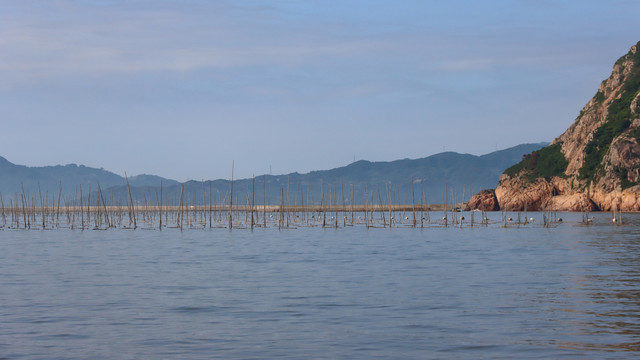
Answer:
(183, 88)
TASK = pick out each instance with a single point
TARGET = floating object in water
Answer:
(461, 217)
(559, 219)
(509, 219)
(532, 219)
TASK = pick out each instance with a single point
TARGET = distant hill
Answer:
(150, 180)
(47, 180)
(387, 181)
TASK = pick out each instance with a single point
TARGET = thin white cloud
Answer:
(84, 39)
(485, 63)
(97, 38)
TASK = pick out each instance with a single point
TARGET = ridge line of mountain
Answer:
(428, 170)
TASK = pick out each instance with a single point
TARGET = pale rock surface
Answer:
(573, 202)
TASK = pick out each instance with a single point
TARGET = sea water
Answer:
(567, 291)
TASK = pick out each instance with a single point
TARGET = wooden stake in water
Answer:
(253, 199)
(81, 211)
(413, 202)
(160, 208)
(384, 220)
(58, 208)
(4, 219)
(231, 197)
(132, 207)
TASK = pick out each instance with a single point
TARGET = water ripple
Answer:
(489, 292)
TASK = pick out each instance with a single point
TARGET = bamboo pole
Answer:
(384, 220)
(413, 202)
(231, 197)
(81, 210)
(132, 206)
(253, 199)
(24, 208)
(106, 213)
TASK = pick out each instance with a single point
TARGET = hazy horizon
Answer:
(182, 89)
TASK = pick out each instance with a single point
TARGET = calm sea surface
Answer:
(571, 291)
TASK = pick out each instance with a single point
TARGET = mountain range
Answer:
(444, 176)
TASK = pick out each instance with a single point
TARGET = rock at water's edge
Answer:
(485, 200)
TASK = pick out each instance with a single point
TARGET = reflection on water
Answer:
(569, 291)
(607, 295)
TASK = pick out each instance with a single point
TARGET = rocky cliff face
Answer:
(595, 164)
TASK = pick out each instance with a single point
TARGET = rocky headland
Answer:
(593, 165)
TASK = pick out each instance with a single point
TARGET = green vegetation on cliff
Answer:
(619, 118)
(546, 162)
(622, 174)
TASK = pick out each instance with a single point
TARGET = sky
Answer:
(184, 89)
